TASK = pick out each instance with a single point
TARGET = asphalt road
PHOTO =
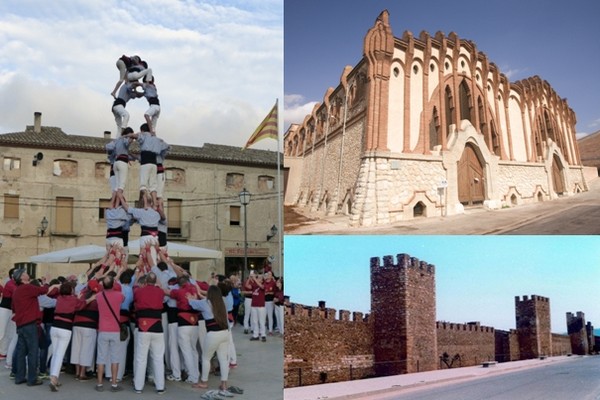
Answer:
(578, 380)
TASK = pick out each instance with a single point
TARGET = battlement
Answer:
(469, 326)
(534, 298)
(322, 312)
(578, 315)
(404, 261)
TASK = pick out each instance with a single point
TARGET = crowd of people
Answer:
(152, 320)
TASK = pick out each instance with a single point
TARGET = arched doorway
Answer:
(471, 185)
(557, 179)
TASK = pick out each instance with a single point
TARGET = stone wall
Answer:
(463, 345)
(319, 348)
(524, 180)
(561, 345)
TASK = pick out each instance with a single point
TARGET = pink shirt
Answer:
(107, 322)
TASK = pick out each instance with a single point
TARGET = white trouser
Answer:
(121, 169)
(149, 344)
(219, 342)
(6, 332)
(13, 343)
(247, 307)
(174, 359)
(60, 341)
(148, 177)
(160, 185)
(165, 325)
(188, 340)
(201, 334)
(121, 117)
(153, 112)
(83, 346)
(259, 316)
(134, 76)
(280, 314)
(232, 352)
(269, 309)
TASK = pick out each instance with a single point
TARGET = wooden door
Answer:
(471, 186)
(559, 185)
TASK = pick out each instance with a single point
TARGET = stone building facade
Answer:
(424, 126)
(401, 334)
(66, 183)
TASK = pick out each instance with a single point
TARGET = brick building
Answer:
(533, 326)
(424, 126)
(576, 328)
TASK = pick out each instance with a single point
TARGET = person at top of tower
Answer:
(123, 64)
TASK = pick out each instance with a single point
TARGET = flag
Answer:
(267, 129)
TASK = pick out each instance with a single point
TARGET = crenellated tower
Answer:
(533, 326)
(403, 315)
(576, 328)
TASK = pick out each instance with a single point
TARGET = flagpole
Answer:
(279, 194)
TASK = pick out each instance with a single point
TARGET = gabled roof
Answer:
(54, 138)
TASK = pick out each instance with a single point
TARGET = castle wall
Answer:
(319, 348)
(468, 344)
(507, 345)
(561, 345)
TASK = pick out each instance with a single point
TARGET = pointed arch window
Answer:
(434, 130)
(449, 109)
(464, 95)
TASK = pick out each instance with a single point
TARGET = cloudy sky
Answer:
(477, 277)
(218, 65)
(557, 41)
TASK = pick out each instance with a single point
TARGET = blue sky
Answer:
(557, 41)
(477, 277)
(218, 65)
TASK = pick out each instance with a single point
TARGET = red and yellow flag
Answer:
(268, 128)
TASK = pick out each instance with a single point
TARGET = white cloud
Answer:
(218, 65)
(296, 109)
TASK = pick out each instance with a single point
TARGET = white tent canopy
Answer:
(92, 253)
(83, 254)
(180, 252)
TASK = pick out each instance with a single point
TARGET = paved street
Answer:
(259, 373)
(552, 378)
(573, 215)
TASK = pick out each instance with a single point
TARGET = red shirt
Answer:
(269, 286)
(25, 303)
(148, 304)
(258, 295)
(7, 294)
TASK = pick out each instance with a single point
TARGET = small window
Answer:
(415, 69)
(64, 215)
(65, 168)
(234, 215)
(432, 67)
(11, 206)
(29, 267)
(11, 163)
(266, 182)
(235, 181)
(103, 205)
(174, 217)
(102, 170)
(175, 176)
(396, 72)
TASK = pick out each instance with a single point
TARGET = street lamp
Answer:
(43, 226)
(245, 200)
(272, 233)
